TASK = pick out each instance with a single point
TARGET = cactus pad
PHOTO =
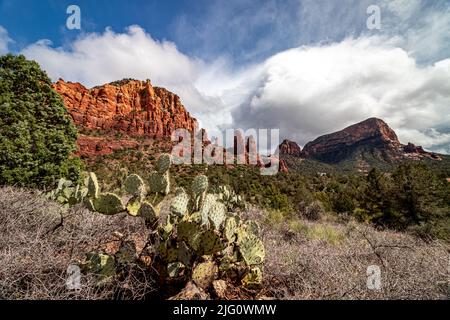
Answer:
(211, 243)
(99, 264)
(164, 163)
(133, 206)
(230, 229)
(204, 274)
(217, 215)
(93, 188)
(134, 185)
(184, 254)
(253, 278)
(148, 212)
(179, 205)
(159, 183)
(189, 232)
(251, 248)
(108, 203)
(200, 184)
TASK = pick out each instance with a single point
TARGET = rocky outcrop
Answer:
(372, 135)
(289, 148)
(131, 107)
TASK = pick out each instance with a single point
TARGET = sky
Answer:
(307, 67)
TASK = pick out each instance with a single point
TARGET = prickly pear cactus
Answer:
(253, 278)
(204, 274)
(133, 206)
(101, 265)
(135, 186)
(149, 213)
(159, 183)
(251, 248)
(179, 205)
(93, 187)
(230, 229)
(164, 163)
(108, 203)
(217, 215)
(198, 240)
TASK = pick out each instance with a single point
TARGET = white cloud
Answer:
(310, 91)
(4, 41)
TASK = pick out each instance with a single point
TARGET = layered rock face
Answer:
(131, 107)
(370, 135)
(289, 148)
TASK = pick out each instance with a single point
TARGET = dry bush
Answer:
(38, 242)
(298, 267)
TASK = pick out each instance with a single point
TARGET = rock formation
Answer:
(290, 148)
(370, 135)
(130, 107)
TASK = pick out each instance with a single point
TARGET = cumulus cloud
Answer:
(309, 91)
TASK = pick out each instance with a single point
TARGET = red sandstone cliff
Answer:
(129, 106)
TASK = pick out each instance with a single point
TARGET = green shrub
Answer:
(37, 136)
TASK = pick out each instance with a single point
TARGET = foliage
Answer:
(37, 137)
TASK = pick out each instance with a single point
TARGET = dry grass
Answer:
(38, 242)
(328, 260)
(305, 260)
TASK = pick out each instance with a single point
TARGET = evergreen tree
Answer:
(37, 136)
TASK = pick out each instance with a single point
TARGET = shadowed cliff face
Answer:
(372, 138)
(131, 107)
(371, 133)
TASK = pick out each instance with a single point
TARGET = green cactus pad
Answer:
(217, 215)
(230, 229)
(189, 232)
(253, 278)
(135, 186)
(251, 248)
(208, 202)
(108, 203)
(159, 183)
(100, 264)
(93, 187)
(204, 274)
(164, 163)
(148, 212)
(211, 243)
(133, 206)
(179, 205)
(200, 184)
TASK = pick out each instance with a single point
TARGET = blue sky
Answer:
(308, 67)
